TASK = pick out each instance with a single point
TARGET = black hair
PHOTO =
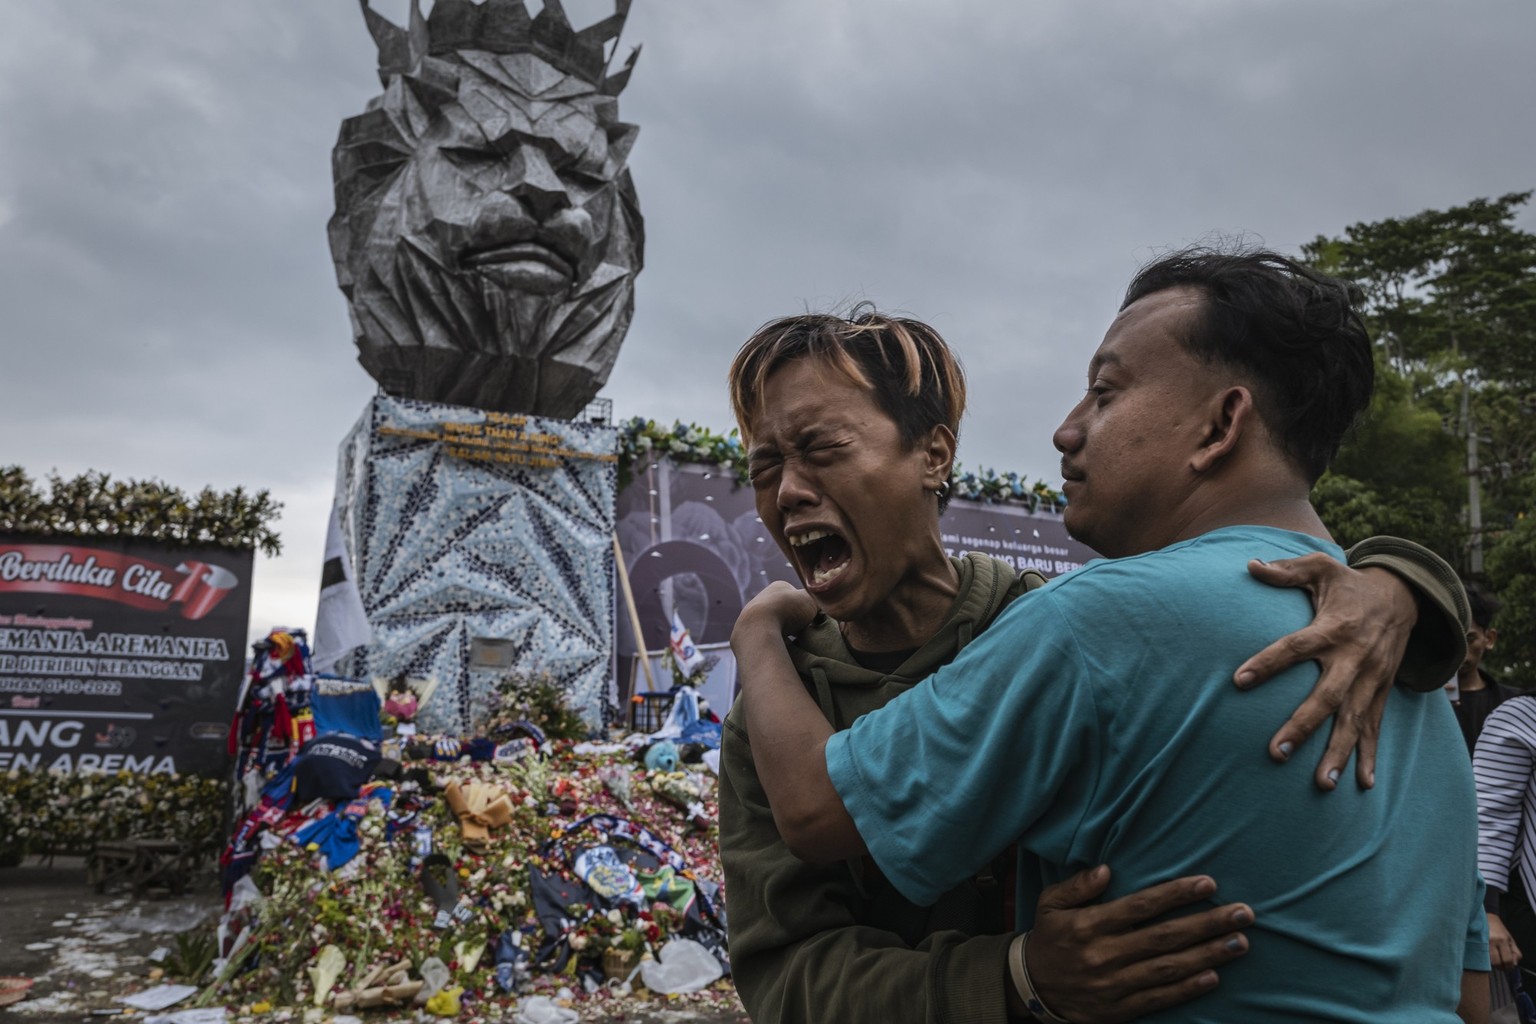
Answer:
(1484, 604)
(1294, 332)
(914, 376)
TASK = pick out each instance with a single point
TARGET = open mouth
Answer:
(823, 556)
(517, 252)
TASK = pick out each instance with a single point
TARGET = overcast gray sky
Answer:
(998, 167)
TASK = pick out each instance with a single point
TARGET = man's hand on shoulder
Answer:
(1363, 620)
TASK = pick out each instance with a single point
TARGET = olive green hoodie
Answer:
(818, 943)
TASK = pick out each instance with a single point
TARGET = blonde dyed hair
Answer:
(914, 376)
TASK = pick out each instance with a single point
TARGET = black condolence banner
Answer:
(119, 654)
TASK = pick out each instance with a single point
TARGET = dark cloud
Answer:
(167, 303)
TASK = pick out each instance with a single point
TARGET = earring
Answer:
(942, 491)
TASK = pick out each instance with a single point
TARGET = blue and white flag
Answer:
(683, 649)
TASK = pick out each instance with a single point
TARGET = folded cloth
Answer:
(666, 885)
(346, 706)
(334, 835)
(701, 732)
(279, 789)
(480, 807)
(515, 750)
(334, 767)
(606, 874)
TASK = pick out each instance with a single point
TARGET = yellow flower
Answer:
(445, 1003)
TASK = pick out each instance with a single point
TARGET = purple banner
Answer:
(692, 539)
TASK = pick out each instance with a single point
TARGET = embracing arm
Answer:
(1398, 613)
(800, 931)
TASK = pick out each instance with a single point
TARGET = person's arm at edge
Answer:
(1503, 951)
(1473, 1008)
(1501, 765)
(789, 742)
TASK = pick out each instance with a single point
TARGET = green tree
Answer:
(1399, 475)
(1512, 572)
(1450, 296)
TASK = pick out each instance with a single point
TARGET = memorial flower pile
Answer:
(480, 914)
(58, 812)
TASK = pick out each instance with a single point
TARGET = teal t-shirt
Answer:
(1106, 729)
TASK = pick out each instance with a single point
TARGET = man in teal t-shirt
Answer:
(1096, 722)
(1104, 730)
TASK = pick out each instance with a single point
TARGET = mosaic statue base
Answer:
(482, 546)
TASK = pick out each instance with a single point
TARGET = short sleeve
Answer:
(943, 778)
(1475, 956)
(1438, 643)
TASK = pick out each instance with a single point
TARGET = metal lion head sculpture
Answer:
(487, 234)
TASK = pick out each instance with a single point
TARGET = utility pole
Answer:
(1474, 483)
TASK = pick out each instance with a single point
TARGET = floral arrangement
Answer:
(47, 812)
(641, 439)
(993, 487)
(95, 505)
(376, 912)
(538, 698)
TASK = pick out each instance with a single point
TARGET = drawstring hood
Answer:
(844, 689)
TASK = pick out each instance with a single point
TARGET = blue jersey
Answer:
(1107, 729)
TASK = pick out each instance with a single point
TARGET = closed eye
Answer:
(823, 454)
(758, 471)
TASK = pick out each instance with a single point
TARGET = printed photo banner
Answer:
(694, 545)
(119, 654)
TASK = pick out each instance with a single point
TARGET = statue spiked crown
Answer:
(502, 26)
